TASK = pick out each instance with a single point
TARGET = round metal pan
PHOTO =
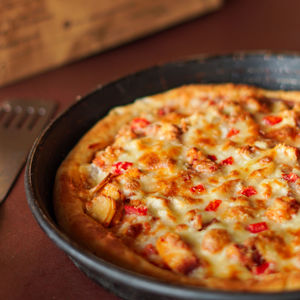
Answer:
(266, 70)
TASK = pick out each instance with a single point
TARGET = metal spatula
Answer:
(20, 123)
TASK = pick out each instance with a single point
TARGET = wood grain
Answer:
(36, 35)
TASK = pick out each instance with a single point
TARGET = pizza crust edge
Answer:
(69, 208)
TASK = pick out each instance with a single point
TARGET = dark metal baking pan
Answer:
(266, 70)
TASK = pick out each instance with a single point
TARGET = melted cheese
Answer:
(233, 161)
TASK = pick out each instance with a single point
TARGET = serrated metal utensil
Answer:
(21, 121)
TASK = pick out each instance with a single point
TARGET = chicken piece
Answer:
(284, 134)
(112, 190)
(200, 162)
(130, 182)
(231, 108)
(106, 157)
(270, 245)
(215, 240)
(194, 219)
(176, 253)
(282, 209)
(248, 150)
(230, 187)
(286, 154)
(102, 208)
(262, 173)
(249, 257)
(240, 213)
(164, 131)
(256, 105)
(239, 209)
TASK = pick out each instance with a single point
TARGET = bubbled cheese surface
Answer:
(217, 182)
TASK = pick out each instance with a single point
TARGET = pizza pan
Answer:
(266, 70)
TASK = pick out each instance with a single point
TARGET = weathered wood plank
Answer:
(36, 35)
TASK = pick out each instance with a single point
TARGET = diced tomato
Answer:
(249, 191)
(198, 188)
(164, 111)
(257, 227)
(272, 120)
(212, 157)
(139, 123)
(150, 250)
(161, 111)
(292, 177)
(213, 205)
(121, 166)
(228, 161)
(140, 210)
(261, 268)
(232, 132)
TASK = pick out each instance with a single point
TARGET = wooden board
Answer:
(36, 35)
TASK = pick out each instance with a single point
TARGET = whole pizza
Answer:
(199, 185)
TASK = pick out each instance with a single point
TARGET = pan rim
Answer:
(97, 264)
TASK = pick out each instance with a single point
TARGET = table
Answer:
(31, 266)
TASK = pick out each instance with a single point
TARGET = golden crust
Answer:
(69, 194)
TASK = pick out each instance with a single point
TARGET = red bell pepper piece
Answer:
(139, 210)
(291, 177)
(232, 132)
(121, 166)
(198, 188)
(261, 268)
(139, 123)
(212, 157)
(164, 111)
(213, 205)
(249, 191)
(257, 227)
(228, 161)
(272, 120)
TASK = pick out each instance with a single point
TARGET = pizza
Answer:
(198, 185)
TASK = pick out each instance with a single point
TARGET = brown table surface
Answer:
(31, 266)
